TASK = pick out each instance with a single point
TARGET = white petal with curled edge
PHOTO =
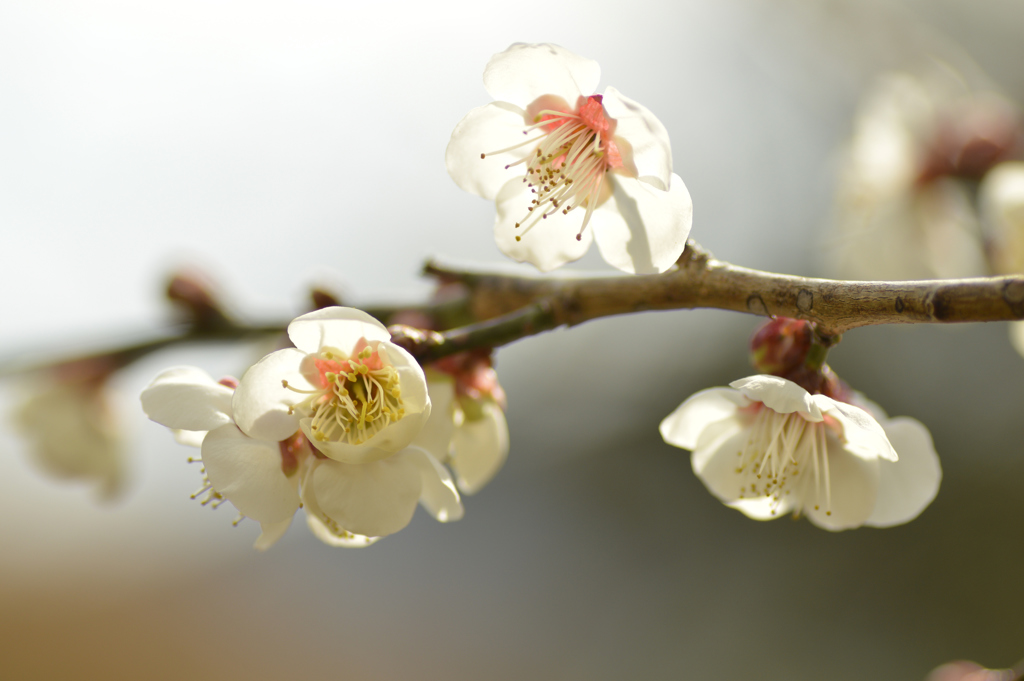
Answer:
(683, 426)
(187, 398)
(863, 435)
(346, 540)
(779, 394)
(485, 130)
(652, 153)
(480, 448)
(524, 72)
(337, 327)
(436, 434)
(546, 243)
(373, 499)
(642, 229)
(907, 486)
(854, 489)
(261, 401)
(438, 495)
(248, 473)
(271, 532)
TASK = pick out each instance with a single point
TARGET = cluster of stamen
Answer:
(778, 451)
(358, 396)
(567, 167)
(206, 494)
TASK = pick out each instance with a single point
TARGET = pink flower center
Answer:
(573, 154)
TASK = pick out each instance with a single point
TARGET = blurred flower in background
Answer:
(68, 420)
(905, 206)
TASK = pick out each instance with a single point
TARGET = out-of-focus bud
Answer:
(71, 428)
(323, 298)
(193, 293)
(970, 137)
(780, 345)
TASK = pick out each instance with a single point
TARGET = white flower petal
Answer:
(652, 153)
(436, 434)
(321, 525)
(337, 327)
(187, 398)
(373, 499)
(862, 433)
(715, 464)
(1017, 336)
(907, 486)
(764, 508)
(484, 130)
(684, 426)
(347, 540)
(779, 394)
(524, 72)
(546, 243)
(271, 532)
(248, 473)
(642, 229)
(438, 495)
(480, 448)
(189, 438)
(261, 402)
(854, 490)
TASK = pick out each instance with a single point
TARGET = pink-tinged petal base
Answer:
(652, 153)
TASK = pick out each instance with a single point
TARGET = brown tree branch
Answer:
(700, 281)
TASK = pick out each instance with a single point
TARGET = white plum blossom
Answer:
(357, 396)
(261, 449)
(470, 434)
(72, 434)
(767, 447)
(566, 166)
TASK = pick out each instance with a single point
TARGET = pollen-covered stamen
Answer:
(358, 397)
(206, 494)
(778, 449)
(567, 167)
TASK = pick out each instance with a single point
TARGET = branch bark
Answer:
(700, 281)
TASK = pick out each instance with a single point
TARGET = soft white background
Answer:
(275, 144)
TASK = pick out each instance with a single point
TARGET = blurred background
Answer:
(278, 145)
